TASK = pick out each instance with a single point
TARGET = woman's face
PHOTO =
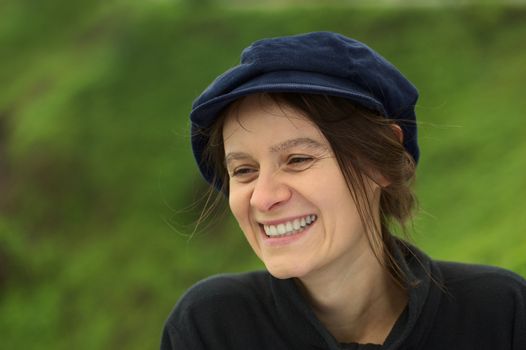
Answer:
(288, 193)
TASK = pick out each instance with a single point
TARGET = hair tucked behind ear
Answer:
(365, 144)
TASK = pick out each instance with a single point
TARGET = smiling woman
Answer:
(292, 178)
(313, 140)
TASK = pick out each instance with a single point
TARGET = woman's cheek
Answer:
(239, 206)
(233, 202)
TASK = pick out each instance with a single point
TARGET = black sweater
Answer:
(452, 306)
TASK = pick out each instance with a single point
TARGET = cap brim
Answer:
(285, 81)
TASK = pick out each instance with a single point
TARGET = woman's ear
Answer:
(398, 132)
(378, 178)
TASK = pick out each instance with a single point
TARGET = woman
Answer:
(313, 140)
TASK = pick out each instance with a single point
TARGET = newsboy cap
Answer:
(313, 63)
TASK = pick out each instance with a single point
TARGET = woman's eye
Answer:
(300, 162)
(243, 171)
(295, 160)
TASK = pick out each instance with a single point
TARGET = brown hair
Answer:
(364, 144)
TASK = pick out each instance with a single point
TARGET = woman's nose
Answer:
(269, 192)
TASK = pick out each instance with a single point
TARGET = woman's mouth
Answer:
(289, 228)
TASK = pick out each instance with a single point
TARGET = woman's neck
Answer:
(359, 305)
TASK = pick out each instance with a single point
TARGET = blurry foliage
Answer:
(96, 169)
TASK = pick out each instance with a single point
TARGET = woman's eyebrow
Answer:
(280, 147)
(235, 156)
(300, 141)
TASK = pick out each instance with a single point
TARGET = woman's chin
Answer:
(281, 271)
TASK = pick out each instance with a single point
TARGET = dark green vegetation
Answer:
(95, 164)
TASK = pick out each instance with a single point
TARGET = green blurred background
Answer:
(97, 179)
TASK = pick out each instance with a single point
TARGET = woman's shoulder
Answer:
(222, 293)
(224, 288)
(476, 306)
(464, 275)
(490, 290)
(211, 314)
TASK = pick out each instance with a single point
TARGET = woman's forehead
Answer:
(260, 112)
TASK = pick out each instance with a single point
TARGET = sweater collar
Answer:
(294, 311)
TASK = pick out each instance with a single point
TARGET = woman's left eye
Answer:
(295, 160)
(300, 162)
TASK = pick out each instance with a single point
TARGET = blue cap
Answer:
(313, 63)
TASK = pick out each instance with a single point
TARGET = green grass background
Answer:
(97, 176)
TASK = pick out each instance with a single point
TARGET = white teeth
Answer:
(296, 224)
(289, 227)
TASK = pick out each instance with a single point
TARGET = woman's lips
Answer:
(286, 231)
(289, 227)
